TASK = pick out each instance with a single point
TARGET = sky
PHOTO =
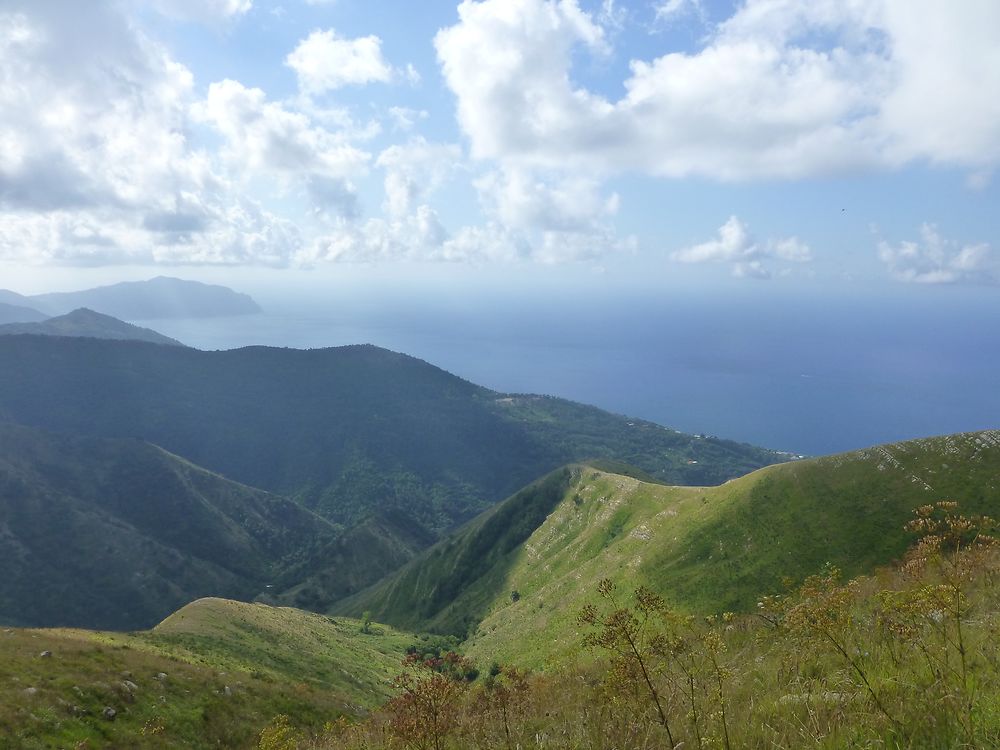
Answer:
(833, 144)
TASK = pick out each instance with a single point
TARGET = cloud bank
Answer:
(782, 89)
(111, 151)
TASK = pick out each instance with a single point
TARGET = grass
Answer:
(894, 682)
(906, 659)
(230, 668)
(706, 549)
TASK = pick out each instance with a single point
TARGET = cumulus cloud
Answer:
(563, 217)
(529, 218)
(414, 170)
(491, 242)
(96, 162)
(265, 138)
(734, 244)
(937, 260)
(324, 61)
(417, 236)
(524, 199)
(80, 128)
(782, 89)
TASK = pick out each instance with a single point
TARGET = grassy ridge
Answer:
(213, 674)
(903, 659)
(450, 588)
(706, 549)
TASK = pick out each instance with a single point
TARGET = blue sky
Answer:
(655, 142)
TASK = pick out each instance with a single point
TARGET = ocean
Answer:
(807, 372)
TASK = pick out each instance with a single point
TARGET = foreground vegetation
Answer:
(907, 658)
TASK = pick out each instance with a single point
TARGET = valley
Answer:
(372, 455)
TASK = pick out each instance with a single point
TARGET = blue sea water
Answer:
(810, 373)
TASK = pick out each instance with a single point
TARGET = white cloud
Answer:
(232, 233)
(491, 242)
(242, 233)
(523, 199)
(80, 129)
(417, 236)
(753, 269)
(783, 89)
(937, 260)
(564, 217)
(668, 11)
(206, 11)
(265, 138)
(108, 155)
(529, 219)
(323, 62)
(735, 244)
(97, 165)
(414, 170)
(404, 118)
(791, 249)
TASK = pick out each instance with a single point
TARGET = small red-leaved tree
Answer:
(427, 710)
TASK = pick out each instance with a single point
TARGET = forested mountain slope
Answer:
(118, 533)
(84, 322)
(347, 431)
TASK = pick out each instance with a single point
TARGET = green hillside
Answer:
(211, 675)
(84, 322)
(344, 431)
(450, 587)
(706, 549)
(118, 533)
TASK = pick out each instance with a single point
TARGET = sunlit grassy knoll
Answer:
(229, 668)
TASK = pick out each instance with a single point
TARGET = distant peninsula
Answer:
(160, 297)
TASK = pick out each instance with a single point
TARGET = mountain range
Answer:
(381, 452)
(511, 583)
(10, 313)
(247, 514)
